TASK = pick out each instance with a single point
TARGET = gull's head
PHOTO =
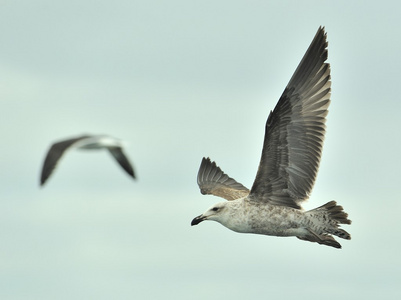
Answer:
(219, 212)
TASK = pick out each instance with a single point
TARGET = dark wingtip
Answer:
(42, 181)
(132, 174)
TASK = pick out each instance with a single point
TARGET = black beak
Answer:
(197, 220)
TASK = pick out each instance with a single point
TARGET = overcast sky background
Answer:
(179, 80)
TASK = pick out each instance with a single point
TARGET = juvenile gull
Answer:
(85, 142)
(292, 149)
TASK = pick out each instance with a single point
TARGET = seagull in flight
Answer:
(85, 142)
(291, 154)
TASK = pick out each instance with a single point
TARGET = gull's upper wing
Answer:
(295, 131)
(122, 159)
(213, 181)
(54, 154)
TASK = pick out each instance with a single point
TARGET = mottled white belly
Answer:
(268, 220)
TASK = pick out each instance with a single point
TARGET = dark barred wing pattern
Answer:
(295, 132)
(213, 181)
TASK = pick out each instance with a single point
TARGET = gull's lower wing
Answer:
(213, 181)
(295, 132)
(122, 159)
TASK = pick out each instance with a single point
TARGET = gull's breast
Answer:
(264, 218)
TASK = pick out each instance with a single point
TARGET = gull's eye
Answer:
(215, 208)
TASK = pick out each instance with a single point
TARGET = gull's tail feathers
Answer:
(323, 239)
(324, 222)
(335, 215)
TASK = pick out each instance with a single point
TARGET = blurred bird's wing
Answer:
(122, 159)
(54, 154)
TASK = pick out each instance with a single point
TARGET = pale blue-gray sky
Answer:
(179, 80)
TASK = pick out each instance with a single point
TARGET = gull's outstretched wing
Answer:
(122, 159)
(213, 181)
(295, 132)
(54, 154)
